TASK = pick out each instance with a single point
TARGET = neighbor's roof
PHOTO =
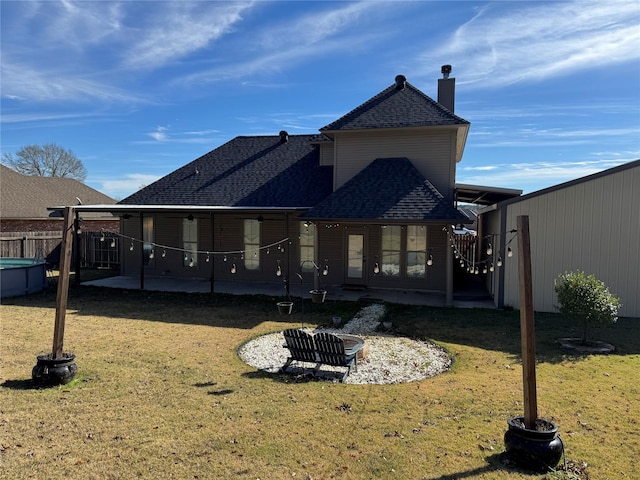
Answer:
(400, 105)
(24, 197)
(257, 171)
(387, 189)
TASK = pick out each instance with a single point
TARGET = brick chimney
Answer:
(446, 89)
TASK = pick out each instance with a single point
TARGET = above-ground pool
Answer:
(21, 276)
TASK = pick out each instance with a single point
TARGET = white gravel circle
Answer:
(390, 359)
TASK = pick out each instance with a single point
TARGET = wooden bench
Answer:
(322, 349)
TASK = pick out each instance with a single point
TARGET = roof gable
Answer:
(398, 106)
(29, 197)
(258, 171)
(387, 189)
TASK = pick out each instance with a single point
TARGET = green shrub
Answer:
(587, 300)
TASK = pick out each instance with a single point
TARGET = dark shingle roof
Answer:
(28, 197)
(255, 171)
(387, 189)
(396, 107)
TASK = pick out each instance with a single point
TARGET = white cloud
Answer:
(534, 175)
(125, 185)
(181, 28)
(159, 134)
(510, 42)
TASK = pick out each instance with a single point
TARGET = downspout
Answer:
(449, 267)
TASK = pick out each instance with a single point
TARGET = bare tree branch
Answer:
(49, 160)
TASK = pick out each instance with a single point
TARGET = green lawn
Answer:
(161, 393)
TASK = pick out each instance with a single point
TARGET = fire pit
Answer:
(353, 343)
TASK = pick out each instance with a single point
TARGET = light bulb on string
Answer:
(113, 243)
(491, 269)
(131, 247)
(499, 263)
(164, 253)
(233, 268)
(186, 257)
(509, 252)
(152, 254)
(207, 260)
(224, 259)
(430, 260)
(278, 271)
(102, 237)
(489, 249)
(376, 268)
(191, 262)
(477, 271)
(484, 269)
(325, 272)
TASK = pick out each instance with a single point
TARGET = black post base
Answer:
(49, 372)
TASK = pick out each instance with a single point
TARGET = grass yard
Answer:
(160, 393)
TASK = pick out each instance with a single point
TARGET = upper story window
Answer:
(251, 244)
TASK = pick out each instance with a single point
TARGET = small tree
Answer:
(49, 160)
(587, 300)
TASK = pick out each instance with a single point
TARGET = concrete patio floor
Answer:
(470, 298)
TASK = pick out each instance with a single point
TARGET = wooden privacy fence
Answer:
(95, 249)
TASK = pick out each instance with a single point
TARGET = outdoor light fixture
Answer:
(164, 253)
(191, 262)
(489, 249)
(131, 247)
(151, 254)
(102, 237)
(376, 268)
(430, 260)
(509, 252)
(233, 268)
(113, 243)
(325, 272)
(499, 261)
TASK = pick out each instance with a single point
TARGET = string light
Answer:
(151, 253)
(113, 243)
(489, 249)
(376, 268)
(102, 237)
(430, 260)
(233, 268)
(509, 252)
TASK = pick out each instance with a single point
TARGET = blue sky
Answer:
(137, 89)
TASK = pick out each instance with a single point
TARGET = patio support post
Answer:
(62, 294)
(213, 248)
(527, 326)
(449, 271)
(141, 252)
(76, 249)
(286, 227)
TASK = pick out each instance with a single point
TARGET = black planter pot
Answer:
(318, 296)
(538, 450)
(284, 308)
(49, 371)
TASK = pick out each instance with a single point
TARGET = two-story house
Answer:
(367, 202)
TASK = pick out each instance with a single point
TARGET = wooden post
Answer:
(527, 325)
(63, 283)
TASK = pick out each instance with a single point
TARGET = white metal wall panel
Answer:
(592, 226)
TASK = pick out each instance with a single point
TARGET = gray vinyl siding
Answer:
(592, 226)
(432, 152)
(326, 154)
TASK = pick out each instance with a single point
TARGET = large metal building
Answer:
(590, 224)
